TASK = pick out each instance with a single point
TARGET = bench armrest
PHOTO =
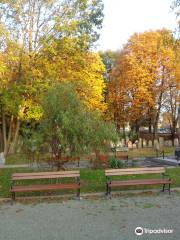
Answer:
(78, 180)
(108, 179)
(165, 175)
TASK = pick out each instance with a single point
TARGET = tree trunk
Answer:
(15, 138)
(9, 135)
(124, 134)
(159, 104)
(155, 128)
(137, 128)
(1, 141)
(155, 125)
(173, 130)
(150, 126)
(4, 133)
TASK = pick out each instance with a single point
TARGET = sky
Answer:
(124, 17)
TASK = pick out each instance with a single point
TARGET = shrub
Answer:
(115, 163)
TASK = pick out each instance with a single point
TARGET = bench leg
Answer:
(107, 189)
(169, 189)
(109, 192)
(78, 193)
(13, 197)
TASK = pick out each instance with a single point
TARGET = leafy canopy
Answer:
(68, 125)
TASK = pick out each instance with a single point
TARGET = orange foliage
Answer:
(145, 69)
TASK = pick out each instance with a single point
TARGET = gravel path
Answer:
(95, 219)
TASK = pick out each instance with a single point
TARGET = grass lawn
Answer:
(150, 152)
(17, 159)
(133, 153)
(92, 180)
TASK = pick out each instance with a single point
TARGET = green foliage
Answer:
(35, 21)
(115, 163)
(67, 124)
(32, 138)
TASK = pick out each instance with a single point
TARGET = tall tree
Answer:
(146, 67)
(34, 36)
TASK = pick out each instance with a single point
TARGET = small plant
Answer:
(115, 163)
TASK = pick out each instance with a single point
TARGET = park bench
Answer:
(109, 173)
(119, 149)
(18, 178)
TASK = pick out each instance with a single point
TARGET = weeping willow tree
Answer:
(69, 128)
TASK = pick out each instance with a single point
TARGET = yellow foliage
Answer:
(30, 111)
(84, 69)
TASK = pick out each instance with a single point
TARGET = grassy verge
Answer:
(92, 180)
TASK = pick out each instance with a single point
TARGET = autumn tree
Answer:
(117, 98)
(109, 59)
(170, 107)
(40, 37)
(64, 61)
(145, 70)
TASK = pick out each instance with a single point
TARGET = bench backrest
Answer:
(121, 149)
(122, 157)
(45, 175)
(133, 171)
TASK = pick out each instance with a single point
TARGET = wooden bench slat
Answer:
(136, 170)
(44, 177)
(46, 187)
(133, 171)
(122, 157)
(45, 173)
(139, 182)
